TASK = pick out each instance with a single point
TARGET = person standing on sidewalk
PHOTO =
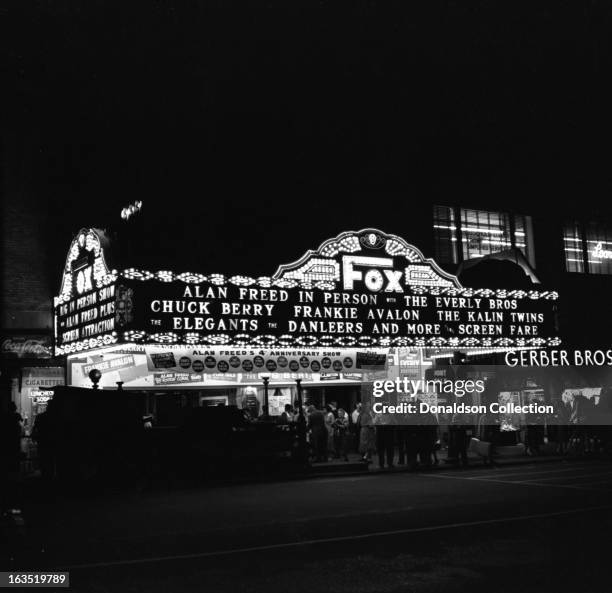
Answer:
(318, 433)
(488, 431)
(434, 438)
(367, 434)
(562, 419)
(355, 428)
(287, 417)
(341, 425)
(329, 425)
(460, 437)
(385, 439)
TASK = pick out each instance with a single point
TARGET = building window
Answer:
(572, 244)
(445, 235)
(590, 242)
(482, 233)
(599, 249)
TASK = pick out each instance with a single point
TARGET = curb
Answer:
(317, 475)
(477, 464)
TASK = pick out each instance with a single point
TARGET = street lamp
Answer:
(135, 207)
(265, 377)
(95, 376)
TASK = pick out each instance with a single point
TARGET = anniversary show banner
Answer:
(254, 361)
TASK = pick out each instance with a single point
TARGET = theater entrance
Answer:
(345, 396)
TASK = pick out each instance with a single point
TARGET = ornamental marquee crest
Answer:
(371, 258)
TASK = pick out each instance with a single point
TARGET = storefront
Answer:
(364, 304)
(32, 372)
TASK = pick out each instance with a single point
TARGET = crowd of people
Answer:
(333, 433)
(580, 426)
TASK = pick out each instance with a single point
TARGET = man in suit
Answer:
(318, 433)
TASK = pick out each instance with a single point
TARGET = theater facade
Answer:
(363, 302)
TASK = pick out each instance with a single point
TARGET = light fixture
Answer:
(132, 209)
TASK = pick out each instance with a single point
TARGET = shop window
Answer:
(588, 248)
(482, 233)
(445, 235)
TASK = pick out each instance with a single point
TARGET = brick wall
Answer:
(25, 292)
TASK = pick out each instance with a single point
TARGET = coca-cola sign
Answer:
(38, 346)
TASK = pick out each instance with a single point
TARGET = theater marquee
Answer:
(360, 289)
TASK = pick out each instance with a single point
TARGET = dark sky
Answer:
(266, 119)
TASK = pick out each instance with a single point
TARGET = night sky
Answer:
(251, 127)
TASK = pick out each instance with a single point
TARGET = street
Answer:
(532, 527)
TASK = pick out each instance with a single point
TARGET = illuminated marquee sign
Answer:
(85, 309)
(26, 346)
(253, 361)
(600, 253)
(360, 289)
(40, 396)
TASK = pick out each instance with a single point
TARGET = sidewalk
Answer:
(33, 486)
(506, 456)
